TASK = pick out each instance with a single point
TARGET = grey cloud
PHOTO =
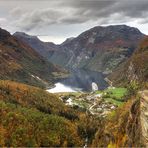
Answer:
(38, 18)
(87, 4)
(132, 8)
(17, 11)
(95, 9)
(82, 11)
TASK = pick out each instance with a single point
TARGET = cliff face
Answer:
(122, 128)
(144, 117)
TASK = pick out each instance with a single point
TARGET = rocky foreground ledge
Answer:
(144, 116)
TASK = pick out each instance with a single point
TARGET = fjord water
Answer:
(59, 87)
(80, 80)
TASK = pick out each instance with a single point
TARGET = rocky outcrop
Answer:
(144, 117)
(132, 129)
(131, 73)
(121, 129)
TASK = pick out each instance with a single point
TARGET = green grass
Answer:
(117, 92)
(114, 95)
(98, 92)
(115, 102)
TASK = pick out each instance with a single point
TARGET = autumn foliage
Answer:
(30, 116)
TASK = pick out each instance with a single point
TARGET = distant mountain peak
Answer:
(4, 34)
(43, 48)
(23, 34)
(67, 40)
(111, 29)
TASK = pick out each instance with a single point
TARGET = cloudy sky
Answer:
(56, 20)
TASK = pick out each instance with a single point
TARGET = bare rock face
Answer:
(131, 73)
(122, 129)
(144, 117)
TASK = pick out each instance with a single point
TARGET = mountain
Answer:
(19, 62)
(99, 48)
(135, 69)
(45, 49)
(68, 40)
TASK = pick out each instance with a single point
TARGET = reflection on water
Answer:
(80, 79)
(59, 87)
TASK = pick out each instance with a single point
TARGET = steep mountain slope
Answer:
(135, 70)
(19, 62)
(100, 48)
(45, 49)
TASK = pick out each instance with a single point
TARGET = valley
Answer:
(83, 92)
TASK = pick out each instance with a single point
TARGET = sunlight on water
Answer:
(59, 87)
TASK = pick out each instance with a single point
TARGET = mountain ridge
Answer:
(43, 48)
(101, 48)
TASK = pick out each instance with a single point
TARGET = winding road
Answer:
(90, 108)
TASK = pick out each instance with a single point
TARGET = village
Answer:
(98, 103)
